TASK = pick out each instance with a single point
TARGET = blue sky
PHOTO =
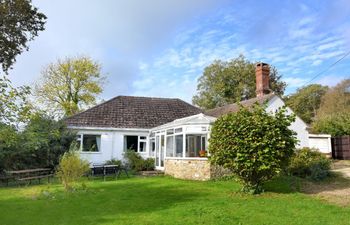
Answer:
(160, 48)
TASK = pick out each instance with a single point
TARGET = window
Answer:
(178, 130)
(142, 144)
(142, 147)
(203, 146)
(195, 143)
(178, 145)
(91, 143)
(77, 141)
(170, 131)
(135, 143)
(131, 143)
(152, 146)
(170, 146)
(162, 146)
(157, 150)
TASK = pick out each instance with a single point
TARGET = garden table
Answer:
(104, 170)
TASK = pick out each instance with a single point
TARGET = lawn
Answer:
(164, 200)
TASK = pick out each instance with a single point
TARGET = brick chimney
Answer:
(262, 73)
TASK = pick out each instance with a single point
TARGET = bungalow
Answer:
(169, 130)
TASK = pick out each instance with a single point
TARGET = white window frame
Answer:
(152, 139)
(204, 131)
(139, 140)
(81, 140)
(144, 141)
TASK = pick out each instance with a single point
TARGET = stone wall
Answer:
(189, 169)
(192, 169)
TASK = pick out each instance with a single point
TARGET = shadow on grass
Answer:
(288, 184)
(283, 184)
(104, 202)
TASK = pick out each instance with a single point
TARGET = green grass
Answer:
(164, 200)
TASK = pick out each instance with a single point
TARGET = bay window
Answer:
(182, 138)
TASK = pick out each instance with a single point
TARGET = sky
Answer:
(160, 48)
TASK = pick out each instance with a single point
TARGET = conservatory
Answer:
(184, 139)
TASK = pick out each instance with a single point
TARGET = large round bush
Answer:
(253, 143)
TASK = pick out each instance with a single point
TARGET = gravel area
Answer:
(335, 190)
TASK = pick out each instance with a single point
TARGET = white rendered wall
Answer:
(298, 126)
(322, 142)
(112, 145)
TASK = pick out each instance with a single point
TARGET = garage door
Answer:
(320, 143)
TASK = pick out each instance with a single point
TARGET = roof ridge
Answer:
(134, 96)
(255, 99)
(202, 111)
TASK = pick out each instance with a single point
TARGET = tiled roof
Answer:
(217, 112)
(133, 112)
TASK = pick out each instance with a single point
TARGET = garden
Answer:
(270, 183)
(165, 200)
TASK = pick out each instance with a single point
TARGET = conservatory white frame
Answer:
(197, 125)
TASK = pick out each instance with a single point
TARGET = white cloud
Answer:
(304, 7)
(159, 48)
(331, 80)
(331, 45)
(300, 32)
(316, 62)
(295, 82)
(143, 66)
(119, 34)
(306, 21)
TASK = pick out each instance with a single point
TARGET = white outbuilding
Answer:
(322, 142)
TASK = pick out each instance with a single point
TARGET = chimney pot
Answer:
(262, 73)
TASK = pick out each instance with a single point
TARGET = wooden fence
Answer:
(341, 147)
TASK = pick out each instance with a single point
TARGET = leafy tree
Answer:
(9, 142)
(333, 116)
(228, 82)
(14, 106)
(20, 22)
(306, 101)
(40, 144)
(46, 139)
(70, 85)
(254, 144)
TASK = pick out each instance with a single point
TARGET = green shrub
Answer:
(134, 161)
(309, 163)
(254, 144)
(71, 167)
(148, 164)
(114, 162)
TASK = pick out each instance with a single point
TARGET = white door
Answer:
(160, 150)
